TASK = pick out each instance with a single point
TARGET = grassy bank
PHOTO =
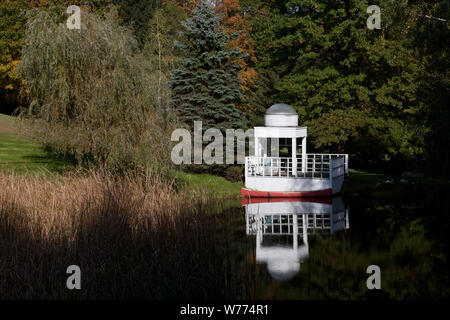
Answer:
(19, 154)
(209, 184)
(395, 189)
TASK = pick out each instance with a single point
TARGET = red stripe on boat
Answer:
(266, 194)
(324, 200)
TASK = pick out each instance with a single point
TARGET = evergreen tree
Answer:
(206, 85)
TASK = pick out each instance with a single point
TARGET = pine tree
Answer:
(206, 85)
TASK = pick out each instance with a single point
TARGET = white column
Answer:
(347, 223)
(295, 230)
(259, 232)
(246, 170)
(304, 154)
(294, 156)
(275, 144)
(256, 145)
(305, 229)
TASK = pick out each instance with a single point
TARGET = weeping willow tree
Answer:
(164, 29)
(92, 95)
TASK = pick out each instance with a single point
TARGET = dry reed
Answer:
(133, 236)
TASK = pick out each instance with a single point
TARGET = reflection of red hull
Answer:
(324, 200)
(264, 194)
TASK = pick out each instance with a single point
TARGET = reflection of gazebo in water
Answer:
(282, 229)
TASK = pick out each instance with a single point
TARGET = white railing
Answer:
(283, 224)
(330, 156)
(314, 166)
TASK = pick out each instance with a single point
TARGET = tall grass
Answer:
(133, 236)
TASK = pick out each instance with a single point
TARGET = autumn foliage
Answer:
(233, 21)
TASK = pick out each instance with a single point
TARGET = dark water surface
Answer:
(321, 248)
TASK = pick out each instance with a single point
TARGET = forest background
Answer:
(112, 92)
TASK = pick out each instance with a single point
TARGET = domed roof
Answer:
(281, 109)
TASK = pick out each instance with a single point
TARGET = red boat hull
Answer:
(265, 194)
(324, 200)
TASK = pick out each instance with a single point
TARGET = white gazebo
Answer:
(281, 167)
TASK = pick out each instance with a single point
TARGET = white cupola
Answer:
(281, 115)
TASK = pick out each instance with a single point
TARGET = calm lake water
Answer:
(321, 248)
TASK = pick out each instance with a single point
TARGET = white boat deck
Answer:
(315, 166)
(314, 172)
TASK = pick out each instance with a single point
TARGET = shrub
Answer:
(234, 173)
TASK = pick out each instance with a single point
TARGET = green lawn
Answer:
(19, 154)
(360, 181)
(210, 184)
